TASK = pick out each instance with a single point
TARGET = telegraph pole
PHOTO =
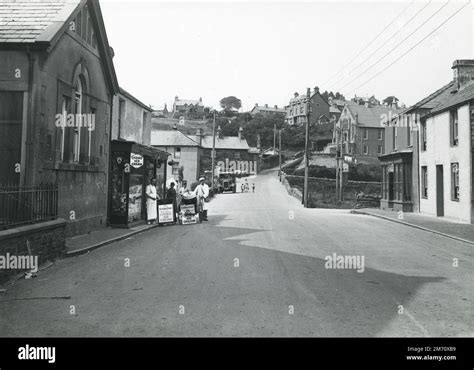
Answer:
(338, 133)
(341, 168)
(274, 137)
(213, 151)
(306, 149)
(279, 150)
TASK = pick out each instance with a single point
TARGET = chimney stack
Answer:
(316, 89)
(266, 105)
(276, 106)
(199, 136)
(463, 73)
(241, 133)
(219, 131)
(200, 100)
(176, 97)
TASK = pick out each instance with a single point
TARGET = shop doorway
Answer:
(439, 191)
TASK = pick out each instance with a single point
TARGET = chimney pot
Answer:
(199, 136)
(463, 72)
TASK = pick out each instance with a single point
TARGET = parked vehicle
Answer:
(227, 182)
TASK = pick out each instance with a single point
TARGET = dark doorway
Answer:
(439, 191)
(11, 116)
(390, 186)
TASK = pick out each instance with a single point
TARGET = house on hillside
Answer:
(185, 107)
(362, 129)
(57, 82)
(267, 111)
(296, 111)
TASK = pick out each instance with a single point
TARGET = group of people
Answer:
(201, 192)
(245, 186)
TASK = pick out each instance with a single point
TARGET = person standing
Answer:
(151, 207)
(202, 193)
(171, 194)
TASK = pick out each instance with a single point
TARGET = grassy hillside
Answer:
(190, 126)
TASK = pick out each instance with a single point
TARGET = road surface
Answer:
(257, 268)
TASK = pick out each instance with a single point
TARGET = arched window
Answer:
(62, 127)
(76, 130)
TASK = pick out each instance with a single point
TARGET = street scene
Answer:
(255, 271)
(167, 172)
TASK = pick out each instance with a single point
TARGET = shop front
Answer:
(397, 194)
(131, 169)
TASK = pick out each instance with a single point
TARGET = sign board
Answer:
(188, 214)
(189, 219)
(188, 209)
(348, 159)
(165, 213)
(391, 167)
(345, 167)
(136, 160)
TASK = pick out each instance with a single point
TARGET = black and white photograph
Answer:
(237, 170)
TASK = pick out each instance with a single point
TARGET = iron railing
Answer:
(22, 205)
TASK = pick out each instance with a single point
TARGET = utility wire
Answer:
(370, 43)
(396, 46)
(390, 38)
(413, 47)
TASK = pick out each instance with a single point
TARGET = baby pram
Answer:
(188, 209)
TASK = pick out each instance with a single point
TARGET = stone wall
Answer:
(47, 240)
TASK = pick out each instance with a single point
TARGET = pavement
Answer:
(259, 267)
(95, 239)
(442, 226)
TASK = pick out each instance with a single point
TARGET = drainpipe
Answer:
(30, 122)
(109, 162)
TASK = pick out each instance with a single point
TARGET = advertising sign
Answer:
(165, 213)
(136, 160)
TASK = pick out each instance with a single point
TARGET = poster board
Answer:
(166, 211)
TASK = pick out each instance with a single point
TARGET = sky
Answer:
(263, 52)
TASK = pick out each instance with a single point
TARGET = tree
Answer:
(230, 102)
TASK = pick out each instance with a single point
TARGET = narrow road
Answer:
(257, 268)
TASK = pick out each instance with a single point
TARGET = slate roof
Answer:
(29, 21)
(227, 142)
(171, 138)
(453, 99)
(268, 109)
(188, 102)
(370, 117)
